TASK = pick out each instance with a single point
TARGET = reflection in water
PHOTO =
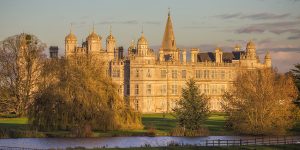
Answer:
(110, 142)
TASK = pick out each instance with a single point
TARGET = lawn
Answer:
(163, 125)
(15, 123)
(160, 123)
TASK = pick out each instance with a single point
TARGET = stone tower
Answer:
(142, 46)
(268, 60)
(110, 46)
(70, 43)
(93, 43)
(251, 50)
(219, 55)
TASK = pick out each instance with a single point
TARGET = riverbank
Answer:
(154, 125)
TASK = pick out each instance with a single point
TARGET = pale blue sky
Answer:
(272, 24)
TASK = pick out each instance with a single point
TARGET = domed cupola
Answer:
(94, 42)
(268, 60)
(71, 37)
(110, 45)
(251, 45)
(142, 45)
(251, 50)
(268, 56)
(110, 37)
(142, 40)
(93, 37)
(70, 43)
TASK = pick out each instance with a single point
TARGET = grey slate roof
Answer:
(227, 56)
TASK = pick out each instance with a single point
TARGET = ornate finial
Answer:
(268, 56)
(110, 31)
(169, 11)
(71, 27)
(93, 27)
(132, 43)
(142, 30)
(251, 40)
(237, 47)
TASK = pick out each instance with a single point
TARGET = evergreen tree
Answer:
(296, 73)
(192, 108)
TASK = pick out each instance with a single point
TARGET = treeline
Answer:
(61, 94)
(260, 102)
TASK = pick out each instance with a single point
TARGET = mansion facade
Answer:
(151, 82)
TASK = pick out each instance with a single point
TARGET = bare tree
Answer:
(20, 64)
(261, 103)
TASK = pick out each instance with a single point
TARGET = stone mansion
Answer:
(151, 82)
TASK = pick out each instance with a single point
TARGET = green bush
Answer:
(12, 133)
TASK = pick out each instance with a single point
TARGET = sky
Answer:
(273, 25)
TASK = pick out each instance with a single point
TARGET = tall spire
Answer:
(169, 42)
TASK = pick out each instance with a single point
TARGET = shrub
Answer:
(180, 131)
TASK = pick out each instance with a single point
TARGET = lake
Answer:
(111, 142)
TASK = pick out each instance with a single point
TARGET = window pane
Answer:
(183, 74)
(149, 89)
(136, 90)
(174, 74)
(163, 73)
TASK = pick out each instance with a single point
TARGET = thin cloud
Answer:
(130, 22)
(280, 31)
(120, 22)
(257, 16)
(285, 49)
(274, 27)
(265, 41)
(152, 22)
(229, 16)
(199, 27)
(251, 29)
(285, 60)
(263, 16)
(294, 37)
(79, 24)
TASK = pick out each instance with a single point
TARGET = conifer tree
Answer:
(192, 108)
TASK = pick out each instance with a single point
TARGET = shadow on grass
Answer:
(157, 121)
